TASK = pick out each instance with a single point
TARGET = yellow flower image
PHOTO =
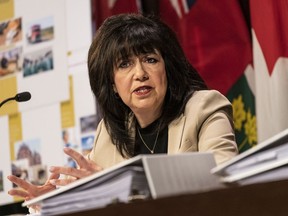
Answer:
(250, 128)
(239, 114)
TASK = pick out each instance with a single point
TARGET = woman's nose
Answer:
(140, 72)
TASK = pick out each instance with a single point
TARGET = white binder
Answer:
(153, 176)
(265, 162)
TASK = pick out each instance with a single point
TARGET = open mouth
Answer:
(142, 90)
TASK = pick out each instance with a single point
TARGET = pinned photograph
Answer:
(1, 181)
(69, 140)
(88, 123)
(11, 61)
(29, 150)
(28, 163)
(87, 143)
(40, 31)
(20, 169)
(10, 32)
(38, 62)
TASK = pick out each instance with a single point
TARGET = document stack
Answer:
(141, 177)
(118, 186)
(268, 161)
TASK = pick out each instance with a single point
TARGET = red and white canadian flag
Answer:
(269, 21)
(102, 9)
(214, 36)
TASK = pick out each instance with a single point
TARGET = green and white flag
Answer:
(242, 97)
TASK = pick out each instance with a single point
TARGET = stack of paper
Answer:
(118, 186)
(268, 161)
(141, 177)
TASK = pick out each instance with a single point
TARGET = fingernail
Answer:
(52, 181)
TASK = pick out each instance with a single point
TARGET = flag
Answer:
(101, 9)
(270, 56)
(216, 40)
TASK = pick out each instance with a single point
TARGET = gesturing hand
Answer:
(85, 168)
(28, 191)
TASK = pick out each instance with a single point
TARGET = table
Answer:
(269, 199)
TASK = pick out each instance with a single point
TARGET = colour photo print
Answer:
(40, 31)
(1, 181)
(69, 140)
(11, 61)
(88, 123)
(37, 62)
(87, 143)
(28, 162)
(10, 32)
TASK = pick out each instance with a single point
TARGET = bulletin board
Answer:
(45, 48)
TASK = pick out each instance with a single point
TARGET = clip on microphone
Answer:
(20, 97)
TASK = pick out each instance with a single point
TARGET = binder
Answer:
(268, 161)
(144, 177)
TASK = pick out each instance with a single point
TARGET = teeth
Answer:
(141, 90)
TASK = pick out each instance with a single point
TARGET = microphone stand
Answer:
(6, 100)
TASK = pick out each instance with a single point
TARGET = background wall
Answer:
(32, 133)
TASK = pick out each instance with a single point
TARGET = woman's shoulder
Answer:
(207, 100)
(208, 94)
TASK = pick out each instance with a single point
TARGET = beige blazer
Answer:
(205, 126)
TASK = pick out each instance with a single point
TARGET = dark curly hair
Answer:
(134, 34)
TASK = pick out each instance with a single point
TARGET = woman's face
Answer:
(141, 83)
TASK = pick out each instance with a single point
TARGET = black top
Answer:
(149, 135)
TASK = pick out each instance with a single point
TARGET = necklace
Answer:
(155, 142)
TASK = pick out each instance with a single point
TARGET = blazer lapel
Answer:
(175, 133)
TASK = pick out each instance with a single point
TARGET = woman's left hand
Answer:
(28, 191)
(85, 168)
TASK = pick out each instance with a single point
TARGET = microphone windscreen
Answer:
(23, 96)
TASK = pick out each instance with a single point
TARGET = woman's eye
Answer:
(124, 64)
(151, 60)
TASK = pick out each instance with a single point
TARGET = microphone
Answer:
(20, 97)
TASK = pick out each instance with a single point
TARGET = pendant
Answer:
(152, 152)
